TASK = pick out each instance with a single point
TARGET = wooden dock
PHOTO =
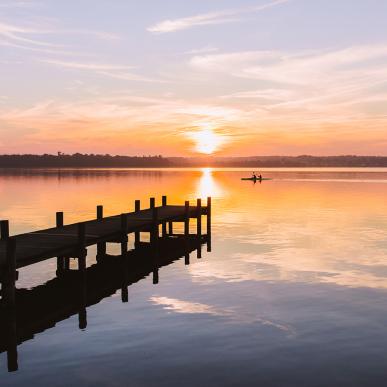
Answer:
(43, 306)
(71, 241)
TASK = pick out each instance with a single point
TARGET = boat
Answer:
(256, 178)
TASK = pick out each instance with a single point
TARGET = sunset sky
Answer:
(173, 77)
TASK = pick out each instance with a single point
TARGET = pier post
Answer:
(137, 207)
(155, 279)
(124, 287)
(82, 313)
(101, 246)
(186, 218)
(8, 287)
(209, 224)
(154, 234)
(164, 226)
(81, 235)
(199, 248)
(101, 250)
(124, 231)
(199, 217)
(82, 318)
(170, 228)
(4, 229)
(99, 212)
(60, 261)
(154, 240)
(82, 261)
(67, 263)
(186, 232)
(82, 252)
(155, 226)
(199, 227)
(59, 219)
(12, 355)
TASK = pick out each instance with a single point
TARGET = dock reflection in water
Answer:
(42, 307)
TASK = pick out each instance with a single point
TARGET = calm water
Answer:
(294, 292)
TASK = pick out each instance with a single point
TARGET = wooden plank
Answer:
(54, 241)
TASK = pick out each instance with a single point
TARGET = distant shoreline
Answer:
(78, 160)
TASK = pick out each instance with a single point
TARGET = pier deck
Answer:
(61, 241)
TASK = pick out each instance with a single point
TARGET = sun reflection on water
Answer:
(207, 185)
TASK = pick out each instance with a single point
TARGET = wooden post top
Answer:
(4, 229)
(99, 212)
(59, 219)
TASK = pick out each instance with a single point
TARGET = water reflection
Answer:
(43, 306)
(207, 185)
(296, 285)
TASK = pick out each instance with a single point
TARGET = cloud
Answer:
(303, 79)
(85, 66)
(22, 37)
(108, 70)
(288, 102)
(43, 50)
(111, 122)
(202, 50)
(16, 33)
(294, 68)
(221, 17)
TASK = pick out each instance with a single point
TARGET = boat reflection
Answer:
(42, 307)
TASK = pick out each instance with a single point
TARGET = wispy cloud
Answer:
(24, 38)
(211, 18)
(109, 70)
(15, 33)
(202, 50)
(85, 66)
(294, 68)
(303, 78)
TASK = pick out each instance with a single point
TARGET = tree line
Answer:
(79, 160)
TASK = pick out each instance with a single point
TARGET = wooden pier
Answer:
(71, 241)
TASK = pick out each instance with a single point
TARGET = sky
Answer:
(183, 78)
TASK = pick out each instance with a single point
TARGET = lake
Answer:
(292, 293)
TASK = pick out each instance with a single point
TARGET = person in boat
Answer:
(254, 176)
(260, 177)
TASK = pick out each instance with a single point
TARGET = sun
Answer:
(207, 141)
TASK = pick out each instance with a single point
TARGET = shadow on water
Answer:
(72, 291)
